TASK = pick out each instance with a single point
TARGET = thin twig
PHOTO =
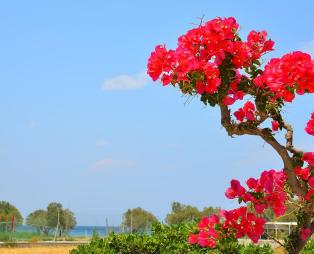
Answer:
(274, 239)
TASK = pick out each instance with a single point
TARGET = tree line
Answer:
(54, 218)
(136, 220)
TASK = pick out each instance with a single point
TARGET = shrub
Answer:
(163, 240)
(309, 248)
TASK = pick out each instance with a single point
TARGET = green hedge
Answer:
(309, 248)
(163, 240)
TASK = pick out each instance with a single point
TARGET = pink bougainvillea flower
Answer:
(309, 158)
(294, 72)
(236, 190)
(305, 233)
(258, 43)
(303, 173)
(246, 112)
(161, 60)
(269, 189)
(311, 182)
(228, 101)
(310, 125)
(193, 239)
(239, 115)
(249, 110)
(274, 125)
(260, 208)
(309, 195)
(252, 183)
(204, 222)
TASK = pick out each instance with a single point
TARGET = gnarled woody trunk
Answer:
(294, 243)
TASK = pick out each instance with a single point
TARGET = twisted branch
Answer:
(289, 140)
(233, 128)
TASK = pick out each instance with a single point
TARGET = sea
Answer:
(78, 231)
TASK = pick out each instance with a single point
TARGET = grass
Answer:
(35, 237)
(24, 236)
(37, 250)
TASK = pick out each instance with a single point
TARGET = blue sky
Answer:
(82, 125)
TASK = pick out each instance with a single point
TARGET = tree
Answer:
(138, 220)
(214, 63)
(38, 220)
(61, 219)
(7, 212)
(181, 213)
(55, 217)
(208, 211)
(69, 220)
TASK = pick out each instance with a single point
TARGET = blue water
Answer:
(86, 231)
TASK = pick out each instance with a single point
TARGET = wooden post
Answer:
(12, 228)
(1, 224)
(276, 230)
(7, 224)
(107, 227)
(57, 225)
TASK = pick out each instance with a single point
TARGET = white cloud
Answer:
(110, 163)
(125, 82)
(309, 47)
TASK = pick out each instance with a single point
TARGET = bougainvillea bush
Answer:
(214, 63)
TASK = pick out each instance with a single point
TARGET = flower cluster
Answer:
(291, 73)
(305, 175)
(265, 192)
(305, 233)
(229, 224)
(310, 125)
(201, 50)
(241, 223)
(274, 125)
(160, 61)
(309, 158)
(208, 232)
(246, 112)
(234, 93)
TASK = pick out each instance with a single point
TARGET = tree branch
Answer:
(289, 140)
(274, 239)
(248, 128)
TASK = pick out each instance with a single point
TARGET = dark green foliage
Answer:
(255, 249)
(138, 220)
(181, 213)
(163, 240)
(38, 220)
(46, 221)
(7, 212)
(309, 248)
(209, 99)
(95, 235)
(56, 213)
